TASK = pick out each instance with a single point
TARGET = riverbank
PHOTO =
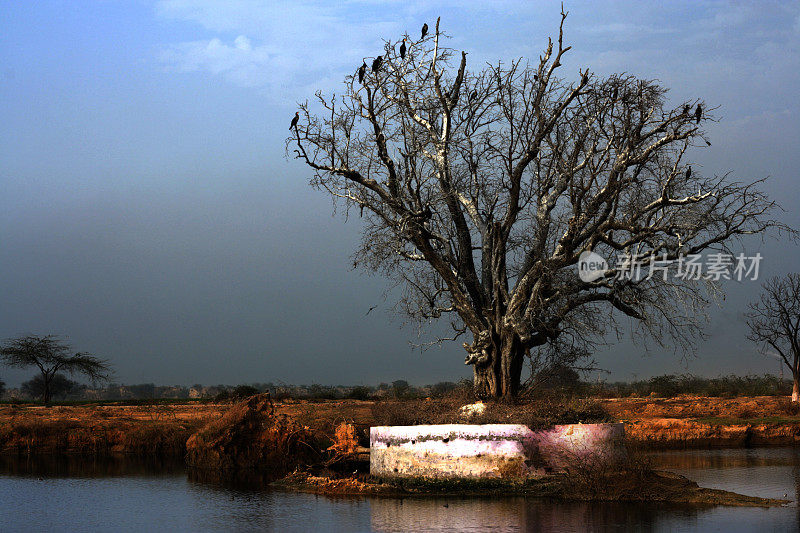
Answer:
(656, 486)
(707, 422)
(162, 430)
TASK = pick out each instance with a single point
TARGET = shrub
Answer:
(322, 392)
(244, 391)
(359, 393)
(222, 396)
(611, 476)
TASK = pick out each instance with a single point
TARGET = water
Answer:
(79, 495)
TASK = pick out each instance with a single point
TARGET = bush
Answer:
(441, 389)
(359, 393)
(400, 388)
(322, 392)
(222, 396)
(610, 476)
(244, 391)
(557, 376)
(60, 387)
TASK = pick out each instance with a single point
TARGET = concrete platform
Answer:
(486, 451)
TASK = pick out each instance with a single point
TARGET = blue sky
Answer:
(148, 212)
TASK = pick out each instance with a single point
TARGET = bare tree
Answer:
(51, 355)
(774, 323)
(481, 190)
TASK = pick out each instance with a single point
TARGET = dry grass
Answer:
(538, 414)
(96, 430)
(93, 430)
(251, 435)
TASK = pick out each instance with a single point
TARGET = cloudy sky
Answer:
(148, 212)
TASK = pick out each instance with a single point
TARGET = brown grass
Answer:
(538, 414)
(97, 430)
(251, 435)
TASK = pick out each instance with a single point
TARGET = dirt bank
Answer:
(656, 487)
(701, 422)
(251, 436)
(163, 430)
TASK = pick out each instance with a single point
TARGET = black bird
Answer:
(424, 30)
(473, 95)
(585, 77)
(376, 64)
(698, 113)
(615, 93)
(686, 109)
(689, 172)
(403, 50)
(535, 77)
(294, 120)
(361, 71)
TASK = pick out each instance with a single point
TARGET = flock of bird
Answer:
(376, 66)
(378, 61)
(698, 113)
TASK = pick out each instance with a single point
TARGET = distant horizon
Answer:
(279, 383)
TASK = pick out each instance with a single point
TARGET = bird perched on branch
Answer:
(295, 119)
(376, 64)
(686, 109)
(424, 30)
(689, 172)
(361, 71)
(698, 113)
(403, 49)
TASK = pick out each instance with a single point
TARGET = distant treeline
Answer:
(568, 382)
(672, 385)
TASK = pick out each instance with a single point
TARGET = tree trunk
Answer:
(796, 389)
(46, 392)
(499, 378)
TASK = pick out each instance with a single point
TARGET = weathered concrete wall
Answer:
(451, 450)
(484, 451)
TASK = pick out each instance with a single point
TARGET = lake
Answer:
(50, 494)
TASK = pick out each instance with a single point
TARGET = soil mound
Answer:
(252, 436)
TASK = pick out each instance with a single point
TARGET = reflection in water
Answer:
(521, 514)
(765, 472)
(243, 481)
(57, 466)
(418, 514)
(725, 458)
(140, 494)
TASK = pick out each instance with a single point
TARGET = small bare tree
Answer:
(774, 323)
(481, 190)
(51, 355)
